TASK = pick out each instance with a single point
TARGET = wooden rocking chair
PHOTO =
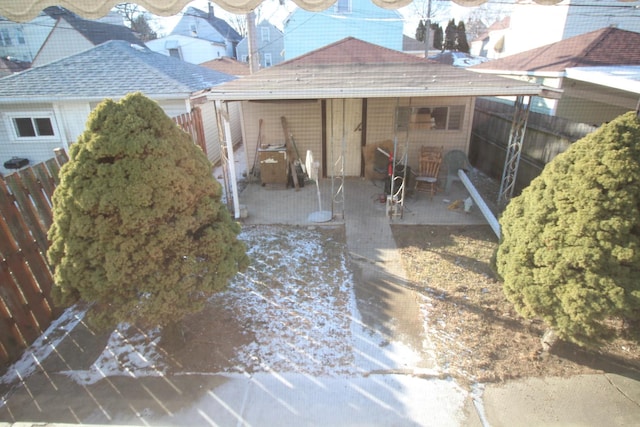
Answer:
(430, 162)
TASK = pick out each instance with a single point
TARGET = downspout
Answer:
(224, 116)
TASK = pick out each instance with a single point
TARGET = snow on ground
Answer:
(312, 357)
(127, 353)
(297, 295)
(43, 346)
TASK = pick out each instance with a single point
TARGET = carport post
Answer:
(224, 117)
(514, 149)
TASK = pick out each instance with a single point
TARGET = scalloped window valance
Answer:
(25, 10)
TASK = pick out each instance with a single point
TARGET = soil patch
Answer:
(477, 333)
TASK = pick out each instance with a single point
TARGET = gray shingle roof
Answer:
(94, 31)
(111, 69)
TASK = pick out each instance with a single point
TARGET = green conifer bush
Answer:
(570, 247)
(139, 229)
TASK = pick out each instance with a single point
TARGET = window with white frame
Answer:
(27, 126)
(430, 118)
(267, 60)
(266, 34)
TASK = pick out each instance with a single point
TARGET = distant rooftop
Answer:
(607, 46)
(94, 31)
(228, 66)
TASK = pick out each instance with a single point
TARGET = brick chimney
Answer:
(211, 15)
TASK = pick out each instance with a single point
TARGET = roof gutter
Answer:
(620, 82)
(57, 99)
(319, 93)
(552, 74)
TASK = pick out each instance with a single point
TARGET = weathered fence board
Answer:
(192, 124)
(26, 309)
(545, 137)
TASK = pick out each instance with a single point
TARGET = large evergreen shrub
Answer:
(570, 251)
(139, 229)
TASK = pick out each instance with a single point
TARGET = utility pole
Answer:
(252, 45)
(427, 32)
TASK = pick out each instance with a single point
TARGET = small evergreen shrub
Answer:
(570, 247)
(139, 229)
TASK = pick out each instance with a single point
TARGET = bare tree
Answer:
(433, 10)
(239, 23)
(138, 19)
(428, 11)
(481, 17)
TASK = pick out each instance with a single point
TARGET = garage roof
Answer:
(352, 68)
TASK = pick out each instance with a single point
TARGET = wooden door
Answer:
(344, 136)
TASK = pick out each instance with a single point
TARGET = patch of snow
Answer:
(127, 353)
(43, 346)
(313, 359)
(300, 325)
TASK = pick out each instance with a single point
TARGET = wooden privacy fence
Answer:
(545, 137)
(26, 309)
(192, 124)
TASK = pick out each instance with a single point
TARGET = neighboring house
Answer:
(549, 65)
(413, 46)
(22, 40)
(348, 98)
(491, 43)
(533, 25)
(229, 66)
(10, 66)
(47, 107)
(189, 49)
(197, 24)
(72, 34)
(270, 47)
(305, 31)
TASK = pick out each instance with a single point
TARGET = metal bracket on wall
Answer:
(514, 149)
